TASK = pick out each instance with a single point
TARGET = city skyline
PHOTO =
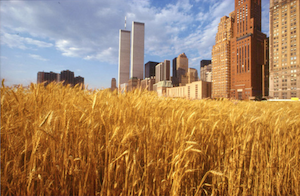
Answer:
(53, 39)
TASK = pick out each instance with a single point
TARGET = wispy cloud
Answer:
(16, 41)
(38, 57)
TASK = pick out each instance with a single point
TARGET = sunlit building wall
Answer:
(137, 50)
(124, 57)
(284, 59)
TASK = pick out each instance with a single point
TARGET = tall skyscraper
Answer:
(182, 63)
(284, 49)
(175, 80)
(247, 54)
(221, 58)
(137, 50)
(150, 69)
(124, 57)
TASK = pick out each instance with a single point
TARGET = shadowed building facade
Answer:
(284, 49)
(113, 85)
(265, 70)
(150, 69)
(247, 55)
(67, 77)
(175, 80)
(47, 77)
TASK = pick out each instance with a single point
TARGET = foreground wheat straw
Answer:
(66, 141)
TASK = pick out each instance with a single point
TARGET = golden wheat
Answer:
(58, 140)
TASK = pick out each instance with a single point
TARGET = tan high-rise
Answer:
(182, 62)
(162, 71)
(182, 69)
(284, 49)
(192, 75)
(137, 50)
(124, 57)
(221, 58)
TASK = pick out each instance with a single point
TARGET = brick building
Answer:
(47, 77)
(247, 55)
(67, 77)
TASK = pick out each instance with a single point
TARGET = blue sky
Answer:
(83, 35)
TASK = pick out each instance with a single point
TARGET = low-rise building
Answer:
(195, 90)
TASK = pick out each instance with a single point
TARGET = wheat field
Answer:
(58, 140)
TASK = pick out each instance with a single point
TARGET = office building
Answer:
(206, 72)
(221, 58)
(150, 69)
(205, 65)
(182, 62)
(204, 62)
(174, 79)
(137, 50)
(162, 71)
(284, 49)
(192, 75)
(247, 55)
(182, 65)
(124, 57)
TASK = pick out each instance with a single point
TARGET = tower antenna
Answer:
(125, 22)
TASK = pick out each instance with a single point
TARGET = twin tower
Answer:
(131, 53)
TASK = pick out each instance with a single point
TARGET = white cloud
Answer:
(16, 41)
(38, 57)
(107, 55)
